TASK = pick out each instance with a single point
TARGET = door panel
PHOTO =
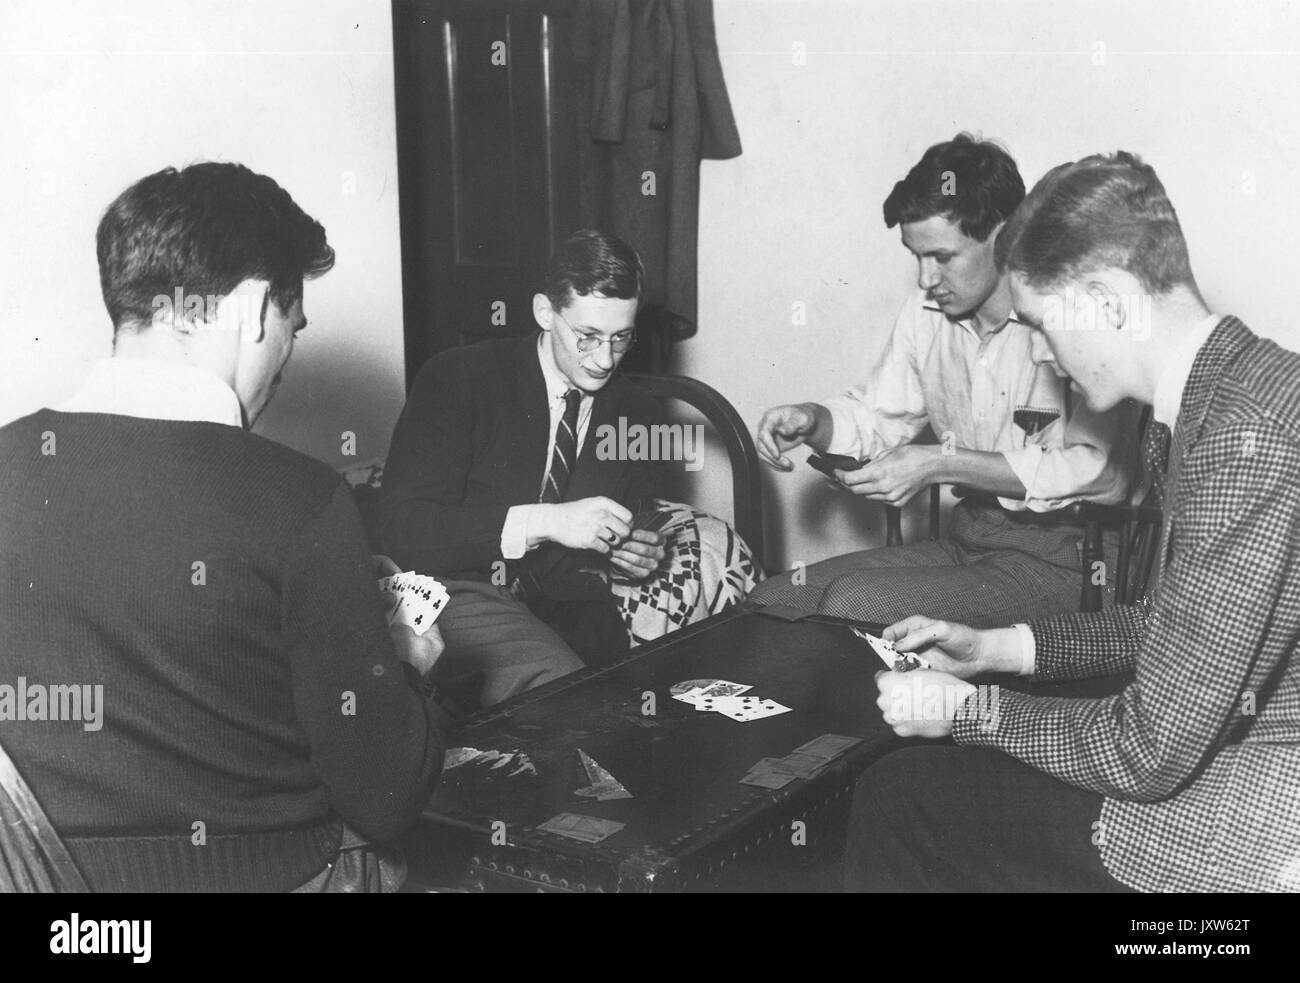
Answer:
(487, 157)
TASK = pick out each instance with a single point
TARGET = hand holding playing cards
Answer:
(955, 648)
(922, 703)
(595, 523)
(638, 556)
(896, 475)
(420, 651)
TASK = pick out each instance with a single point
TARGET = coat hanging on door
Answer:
(656, 105)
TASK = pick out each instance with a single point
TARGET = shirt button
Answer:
(983, 360)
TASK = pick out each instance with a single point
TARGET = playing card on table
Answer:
(799, 764)
(742, 708)
(488, 765)
(457, 756)
(588, 829)
(693, 690)
(828, 746)
(763, 778)
(604, 786)
(774, 773)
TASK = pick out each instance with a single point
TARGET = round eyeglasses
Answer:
(619, 343)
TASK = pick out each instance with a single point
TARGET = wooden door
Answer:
(487, 159)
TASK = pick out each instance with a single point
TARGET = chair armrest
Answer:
(1090, 511)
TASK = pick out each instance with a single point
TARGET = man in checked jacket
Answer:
(1189, 778)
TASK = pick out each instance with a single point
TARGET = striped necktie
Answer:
(565, 455)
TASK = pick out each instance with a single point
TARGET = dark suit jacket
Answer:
(471, 442)
(1198, 758)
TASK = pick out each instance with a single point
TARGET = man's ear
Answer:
(543, 313)
(244, 309)
(1107, 303)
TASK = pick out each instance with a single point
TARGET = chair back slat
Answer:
(32, 857)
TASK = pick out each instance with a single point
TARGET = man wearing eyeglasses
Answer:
(493, 480)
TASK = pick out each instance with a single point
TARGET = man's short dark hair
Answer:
(974, 183)
(204, 230)
(593, 262)
(1105, 211)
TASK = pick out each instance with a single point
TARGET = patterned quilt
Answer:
(708, 569)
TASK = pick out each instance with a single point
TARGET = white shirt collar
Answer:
(556, 384)
(969, 322)
(1173, 380)
(156, 389)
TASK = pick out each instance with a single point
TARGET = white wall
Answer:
(95, 95)
(1205, 91)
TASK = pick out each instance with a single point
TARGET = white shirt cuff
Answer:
(514, 534)
(1028, 650)
(845, 438)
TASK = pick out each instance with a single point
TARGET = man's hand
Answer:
(957, 649)
(638, 556)
(921, 703)
(588, 524)
(896, 475)
(421, 651)
(784, 427)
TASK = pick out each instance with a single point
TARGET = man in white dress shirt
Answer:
(960, 364)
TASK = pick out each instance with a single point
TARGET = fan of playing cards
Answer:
(893, 659)
(724, 697)
(413, 599)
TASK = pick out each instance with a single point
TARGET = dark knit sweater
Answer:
(225, 685)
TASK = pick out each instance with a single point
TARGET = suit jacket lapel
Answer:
(533, 432)
(1224, 345)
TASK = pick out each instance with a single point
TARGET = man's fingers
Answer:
(855, 483)
(632, 547)
(859, 480)
(633, 569)
(617, 560)
(901, 629)
(646, 536)
(770, 453)
(923, 636)
(617, 512)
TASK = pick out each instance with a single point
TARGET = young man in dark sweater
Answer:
(257, 722)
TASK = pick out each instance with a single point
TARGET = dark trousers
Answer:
(992, 568)
(938, 818)
(488, 632)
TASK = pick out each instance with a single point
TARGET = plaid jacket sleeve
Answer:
(1102, 643)
(1218, 637)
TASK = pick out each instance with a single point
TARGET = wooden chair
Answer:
(1138, 527)
(746, 485)
(32, 857)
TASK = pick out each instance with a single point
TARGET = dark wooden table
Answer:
(690, 824)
